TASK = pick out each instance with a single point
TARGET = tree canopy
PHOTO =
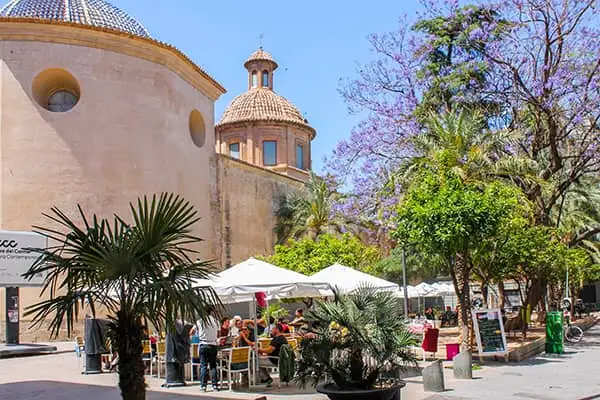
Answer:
(309, 256)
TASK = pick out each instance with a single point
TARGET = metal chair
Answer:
(147, 353)
(194, 355)
(237, 361)
(161, 357)
(79, 349)
(107, 358)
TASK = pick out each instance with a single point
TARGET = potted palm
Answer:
(139, 271)
(359, 339)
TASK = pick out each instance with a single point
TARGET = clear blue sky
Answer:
(315, 44)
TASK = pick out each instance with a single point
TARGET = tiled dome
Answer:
(97, 13)
(261, 55)
(262, 104)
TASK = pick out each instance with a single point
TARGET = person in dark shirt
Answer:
(224, 331)
(272, 353)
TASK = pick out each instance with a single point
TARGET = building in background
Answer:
(96, 112)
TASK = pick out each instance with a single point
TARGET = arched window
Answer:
(265, 79)
(61, 101)
(254, 79)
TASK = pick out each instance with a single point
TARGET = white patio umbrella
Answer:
(347, 280)
(412, 293)
(443, 288)
(240, 283)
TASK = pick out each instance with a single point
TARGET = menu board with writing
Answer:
(489, 331)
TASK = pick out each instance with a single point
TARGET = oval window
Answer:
(197, 128)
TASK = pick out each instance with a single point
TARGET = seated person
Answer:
(429, 314)
(272, 353)
(299, 322)
(284, 326)
(246, 337)
(235, 325)
(449, 317)
(224, 332)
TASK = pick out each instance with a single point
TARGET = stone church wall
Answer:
(249, 197)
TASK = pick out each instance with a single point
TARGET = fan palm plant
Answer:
(138, 271)
(309, 213)
(358, 337)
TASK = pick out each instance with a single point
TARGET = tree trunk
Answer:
(534, 295)
(128, 335)
(501, 294)
(460, 277)
(484, 293)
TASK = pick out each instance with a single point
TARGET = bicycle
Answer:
(573, 333)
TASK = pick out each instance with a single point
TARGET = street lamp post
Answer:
(404, 283)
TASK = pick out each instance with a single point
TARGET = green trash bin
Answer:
(554, 333)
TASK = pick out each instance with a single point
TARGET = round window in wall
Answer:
(56, 90)
(197, 128)
(61, 101)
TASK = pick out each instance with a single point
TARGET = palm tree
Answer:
(139, 271)
(459, 143)
(352, 329)
(308, 213)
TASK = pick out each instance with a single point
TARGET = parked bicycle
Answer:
(573, 333)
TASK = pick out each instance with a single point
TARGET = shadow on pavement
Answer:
(50, 390)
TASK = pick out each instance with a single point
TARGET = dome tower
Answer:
(263, 128)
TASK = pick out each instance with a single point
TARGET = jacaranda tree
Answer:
(530, 67)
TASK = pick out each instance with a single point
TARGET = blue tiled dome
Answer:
(88, 12)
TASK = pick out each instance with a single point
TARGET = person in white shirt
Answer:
(235, 325)
(208, 334)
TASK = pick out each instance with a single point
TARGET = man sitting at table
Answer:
(272, 351)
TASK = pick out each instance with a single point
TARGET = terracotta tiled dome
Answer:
(97, 13)
(262, 104)
(261, 55)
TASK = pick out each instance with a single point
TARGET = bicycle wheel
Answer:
(574, 334)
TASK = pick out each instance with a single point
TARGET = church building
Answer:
(94, 111)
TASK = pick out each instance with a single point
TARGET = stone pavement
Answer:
(574, 375)
(571, 376)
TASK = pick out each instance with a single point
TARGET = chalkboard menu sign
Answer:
(489, 331)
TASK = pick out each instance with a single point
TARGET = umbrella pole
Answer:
(404, 282)
(255, 342)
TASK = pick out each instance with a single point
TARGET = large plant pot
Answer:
(437, 323)
(335, 393)
(175, 373)
(93, 364)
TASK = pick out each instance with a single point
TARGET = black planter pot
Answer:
(335, 393)
(175, 374)
(93, 364)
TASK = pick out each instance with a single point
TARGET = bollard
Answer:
(462, 365)
(433, 377)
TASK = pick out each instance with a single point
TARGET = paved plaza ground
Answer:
(571, 376)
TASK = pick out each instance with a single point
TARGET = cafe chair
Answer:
(147, 353)
(194, 361)
(161, 357)
(236, 360)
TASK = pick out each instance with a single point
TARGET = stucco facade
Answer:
(143, 123)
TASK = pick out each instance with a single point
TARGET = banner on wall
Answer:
(16, 257)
